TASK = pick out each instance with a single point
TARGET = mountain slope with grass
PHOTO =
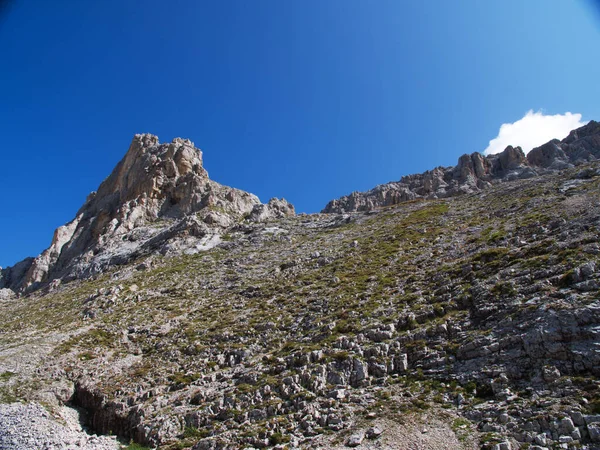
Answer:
(466, 321)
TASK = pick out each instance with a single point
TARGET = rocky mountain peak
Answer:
(474, 172)
(159, 175)
(158, 198)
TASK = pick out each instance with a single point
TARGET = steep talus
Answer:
(465, 319)
(158, 198)
(475, 172)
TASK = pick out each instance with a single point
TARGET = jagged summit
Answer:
(475, 172)
(158, 198)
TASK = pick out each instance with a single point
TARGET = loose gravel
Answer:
(31, 427)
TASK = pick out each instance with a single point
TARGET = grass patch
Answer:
(7, 375)
(136, 446)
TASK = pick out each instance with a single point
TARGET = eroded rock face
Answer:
(583, 144)
(548, 155)
(156, 194)
(472, 173)
(475, 172)
(145, 204)
(275, 209)
(11, 276)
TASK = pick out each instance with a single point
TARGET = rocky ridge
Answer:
(475, 172)
(158, 199)
(468, 321)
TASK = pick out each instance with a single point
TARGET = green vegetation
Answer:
(7, 375)
(134, 446)
(488, 440)
(491, 255)
(194, 433)
(179, 380)
(504, 289)
(492, 236)
(278, 438)
(95, 338)
(462, 428)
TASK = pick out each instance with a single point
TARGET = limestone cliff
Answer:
(158, 198)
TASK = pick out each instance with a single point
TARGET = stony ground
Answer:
(466, 322)
(32, 427)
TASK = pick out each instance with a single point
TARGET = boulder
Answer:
(547, 155)
(274, 209)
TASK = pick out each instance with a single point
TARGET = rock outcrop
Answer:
(275, 209)
(158, 198)
(475, 172)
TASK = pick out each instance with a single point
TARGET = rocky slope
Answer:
(468, 321)
(475, 172)
(158, 199)
(31, 427)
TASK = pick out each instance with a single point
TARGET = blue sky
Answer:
(306, 100)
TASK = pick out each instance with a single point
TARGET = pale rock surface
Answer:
(275, 209)
(31, 427)
(158, 199)
(6, 294)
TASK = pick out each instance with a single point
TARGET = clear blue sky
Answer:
(306, 100)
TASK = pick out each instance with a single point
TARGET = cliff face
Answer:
(475, 172)
(158, 198)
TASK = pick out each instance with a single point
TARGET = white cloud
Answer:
(533, 130)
